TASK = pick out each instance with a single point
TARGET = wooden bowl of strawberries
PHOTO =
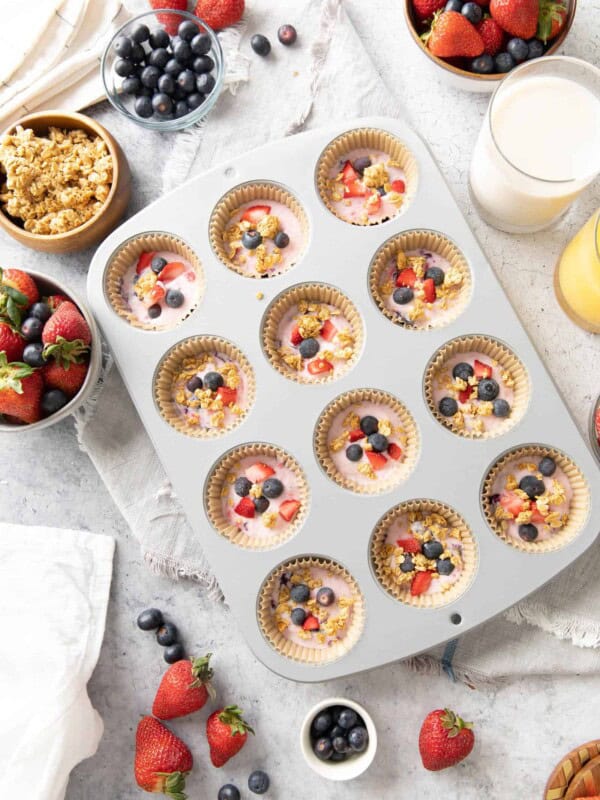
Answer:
(477, 42)
(50, 351)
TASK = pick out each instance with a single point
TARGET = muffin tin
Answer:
(338, 523)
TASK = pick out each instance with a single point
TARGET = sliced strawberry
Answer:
(482, 370)
(377, 460)
(311, 623)
(295, 336)
(288, 509)
(144, 261)
(356, 435)
(171, 271)
(429, 290)
(511, 503)
(349, 174)
(354, 189)
(155, 295)
(319, 365)
(245, 508)
(394, 451)
(420, 583)
(536, 515)
(398, 186)
(227, 395)
(406, 277)
(409, 545)
(259, 472)
(254, 214)
(465, 394)
(328, 331)
(374, 203)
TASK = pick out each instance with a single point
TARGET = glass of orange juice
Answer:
(577, 276)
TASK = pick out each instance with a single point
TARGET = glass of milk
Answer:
(539, 146)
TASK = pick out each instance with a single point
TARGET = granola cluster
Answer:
(216, 403)
(54, 183)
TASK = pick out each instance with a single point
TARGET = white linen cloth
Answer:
(54, 588)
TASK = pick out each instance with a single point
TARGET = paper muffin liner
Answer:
(218, 482)
(374, 139)
(578, 510)
(230, 203)
(169, 368)
(312, 293)
(128, 254)
(495, 351)
(436, 243)
(337, 406)
(297, 652)
(402, 592)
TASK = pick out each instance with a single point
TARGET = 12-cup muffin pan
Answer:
(338, 523)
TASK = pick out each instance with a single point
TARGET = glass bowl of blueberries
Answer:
(163, 70)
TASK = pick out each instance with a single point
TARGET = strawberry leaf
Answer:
(11, 375)
(13, 312)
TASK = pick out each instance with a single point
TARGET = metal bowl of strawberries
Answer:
(475, 43)
(50, 351)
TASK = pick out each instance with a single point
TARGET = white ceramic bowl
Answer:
(342, 770)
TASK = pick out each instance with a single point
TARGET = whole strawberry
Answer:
(21, 390)
(220, 13)
(453, 35)
(17, 292)
(11, 342)
(553, 15)
(185, 687)
(162, 760)
(444, 740)
(55, 300)
(517, 17)
(424, 9)
(68, 376)
(492, 35)
(170, 22)
(226, 731)
(66, 335)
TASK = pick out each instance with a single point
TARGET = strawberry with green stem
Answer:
(13, 301)
(21, 390)
(185, 688)
(551, 21)
(445, 739)
(66, 335)
(226, 732)
(162, 760)
(451, 34)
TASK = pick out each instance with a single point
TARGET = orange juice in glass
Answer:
(577, 276)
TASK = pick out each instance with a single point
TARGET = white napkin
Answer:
(54, 587)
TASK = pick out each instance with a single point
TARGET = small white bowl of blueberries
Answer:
(338, 739)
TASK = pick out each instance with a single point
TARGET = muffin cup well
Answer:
(171, 365)
(231, 202)
(371, 138)
(416, 240)
(496, 351)
(311, 293)
(219, 480)
(297, 652)
(578, 509)
(128, 254)
(402, 592)
(340, 404)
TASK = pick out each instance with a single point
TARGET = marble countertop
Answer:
(523, 727)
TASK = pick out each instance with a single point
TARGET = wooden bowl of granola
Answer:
(64, 182)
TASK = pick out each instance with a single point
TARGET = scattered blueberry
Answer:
(205, 83)
(407, 564)
(518, 49)
(140, 33)
(159, 38)
(281, 240)
(444, 566)
(174, 652)
(487, 389)
(149, 77)
(340, 744)
(448, 406)
(463, 371)
(193, 385)
(369, 425)
(361, 164)
(325, 596)
(260, 504)
(287, 35)
(167, 634)
(535, 49)
(41, 311)
(354, 452)
(272, 488)
(251, 239)
(33, 354)
(483, 65)
(504, 62)
(258, 782)
(201, 44)
(347, 718)
(532, 486)
(174, 298)
(154, 311)
(131, 85)
(229, 792)
(158, 58)
(308, 348)
(150, 619)
(123, 67)
(403, 295)
(260, 44)
(187, 30)
(547, 466)
(300, 593)
(157, 264)
(323, 748)
(528, 532)
(436, 274)
(31, 329)
(432, 549)
(358, 739)
(501, 408)
(378, 442)
(123, 46)
(213, 381)
(53, 401)
(472, 12)
(242, 485)
(203, 64)
(322, 722)
(454, 5)
(298, 616)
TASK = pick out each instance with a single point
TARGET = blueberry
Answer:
(41, 311)
(454, 5)
(182, 51)
(325, 596)
(140, 33)
(407, 564)
(31, 329)
(187, 81)
(547, 466)
(138, 54)
(528, 533)
(358, 739)
(242, 485)
(337, 730)
(123, 46)
(337, 757)
(463, 371)
(201, 44)
(194, 100)
(300, 593)
(281, 240)
(323, 748)
(535, 49)
(154, 311)
(532, 486)
(322, 722)
(403, 295)
(251, 239)
(159, 38)
(483, 65)
(162, 103)
(287, 35)
(193, 385)
(436, 274)
(187, 30)
(205, 83)
(167, 634)
(260, 504)
(369, 425)
(158, 58)
(472, 12)
(33, 354)
(340, 744)
(378, 442)
(361, 164)
(228, 792)
(123, 67)
(173, 68)
(309, 348)
(487, 389)
(347, 718)
(145, 92)
(260, 44)
(53, 401)
(448, 406)
(150, 619)
(213, 381)
(131, 85)
(258, 782)
(501, 408)
(298, 616)
(174, 298)
(504, 62)
(518, 48)
(272, 488)
(203, 64)
(157, 264)
(432, 549)
(354, 452)
(150, 76)
(174, 652)
(444, 566)
(181, 108)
